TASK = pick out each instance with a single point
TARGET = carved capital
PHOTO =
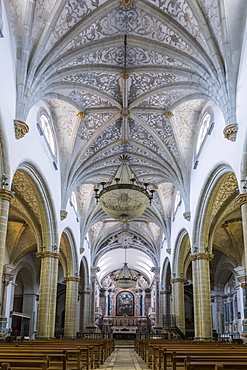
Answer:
(187, 215)
(242, 199)
(48, 254)
(21, 129)
(127, 3)
(178, 280)
(230, 132)
(72, 278)
(201, 256)
(63, 214)
(6, 195)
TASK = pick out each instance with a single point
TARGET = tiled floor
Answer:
(124, 359)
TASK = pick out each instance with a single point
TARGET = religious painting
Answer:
(125, 304)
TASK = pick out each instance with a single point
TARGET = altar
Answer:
(124, 332)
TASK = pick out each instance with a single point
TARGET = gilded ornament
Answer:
(242, 199)
(125, 112)
(125, 75)
(230, 132)
(169, 114)
(127, 3)
(81, 114)
(21, 129)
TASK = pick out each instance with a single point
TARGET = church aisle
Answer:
(124, 359)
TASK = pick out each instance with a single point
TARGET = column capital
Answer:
(230, 132)
(178, 280)
(241, 199)
(21, 128)
(63, 214)
(48, 254)
(6, 194)
(201, 256)
(163, 292)
(72, 278)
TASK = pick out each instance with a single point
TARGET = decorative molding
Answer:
(63, 214)
(230, 132)
(48, 254)
(187, 215)
(201, 256)
(125, 75)
(178, 280)
(72, 278)
(125, 112)
(21, 129)
(241, 199)
(127, 3)
(6, 195)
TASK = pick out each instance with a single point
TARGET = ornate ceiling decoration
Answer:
(178, 57)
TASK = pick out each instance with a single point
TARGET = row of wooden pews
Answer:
(62, 354)
(190, 355)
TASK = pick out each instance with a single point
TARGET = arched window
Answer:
(46, 130)
(73, 201)
(177, 201)
(204, 130)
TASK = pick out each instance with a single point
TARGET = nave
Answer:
(124, 358)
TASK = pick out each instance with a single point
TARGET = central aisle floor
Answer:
(124, 359)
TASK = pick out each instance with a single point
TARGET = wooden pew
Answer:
(91, 352)
(158, 353)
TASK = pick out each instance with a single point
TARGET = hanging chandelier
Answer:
(124, 197)
(125, 279)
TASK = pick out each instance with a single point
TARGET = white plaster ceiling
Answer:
(178, 55)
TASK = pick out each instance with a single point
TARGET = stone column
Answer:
(70, 321)
(5, 198)
(201, 296)
(143, 304)
(164, 303)
(106, 302)
(178, 301)
(242, 201)
(156, 271)
(48, 294)
(138, 305)
(84, 310)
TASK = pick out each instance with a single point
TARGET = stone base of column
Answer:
(3, 327)
(204, 339)
(244, 332)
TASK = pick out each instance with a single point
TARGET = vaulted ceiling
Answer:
(180, 54)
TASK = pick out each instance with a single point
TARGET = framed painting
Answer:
(125, 304)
